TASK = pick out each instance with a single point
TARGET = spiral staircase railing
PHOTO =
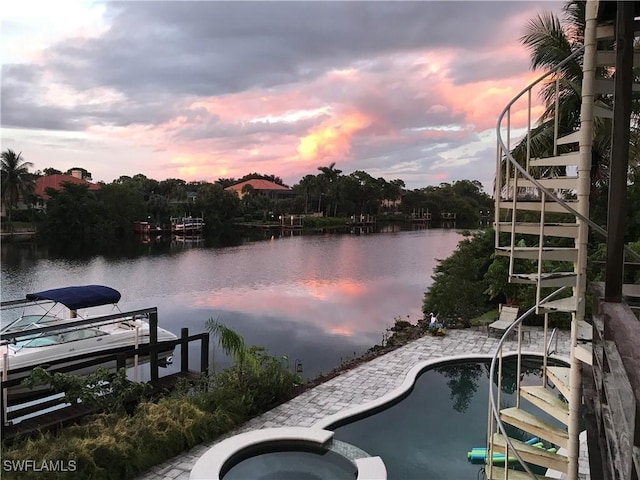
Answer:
(505, 159)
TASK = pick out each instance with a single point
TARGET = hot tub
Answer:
(295, 453)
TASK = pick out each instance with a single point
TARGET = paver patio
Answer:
(361, 385)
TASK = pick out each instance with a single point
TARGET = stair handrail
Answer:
(549, 352)
(526, 174)
(492, 372)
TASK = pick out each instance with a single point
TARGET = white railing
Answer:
(494, 399)
(509, 169)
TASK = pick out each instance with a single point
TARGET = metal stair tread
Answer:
(569, 183)
(607, 58)
(561, 160)
(602, 112)
(535, 206)
(543, 457)
(497, 473)
(548, 253)
(573, 137)
(546, 279)
(584, 353)
(564, 230)
(568, 304)
(560, 378)
(605, 85)
(585, 331)
(536, 224)
(546, 400)
(608, 30)
(532, 424)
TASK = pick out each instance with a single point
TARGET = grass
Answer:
(485, 318)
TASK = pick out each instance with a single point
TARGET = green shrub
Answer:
(117, 446)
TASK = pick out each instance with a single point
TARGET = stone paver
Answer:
(361, 385)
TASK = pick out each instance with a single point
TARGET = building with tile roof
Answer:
(56, 181)
(262, 187)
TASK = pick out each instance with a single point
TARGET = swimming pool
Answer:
(421, 430)
(427, 434)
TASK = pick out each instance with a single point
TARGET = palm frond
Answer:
(546, 40)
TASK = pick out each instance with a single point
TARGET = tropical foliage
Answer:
(17, 182)
(457, 293)
(551, 40)
(124, 442)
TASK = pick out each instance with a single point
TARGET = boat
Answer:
(187, 225)
(40, 337)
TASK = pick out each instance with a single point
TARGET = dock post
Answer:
(153, 340)
(204, 354)
(184, 350)
(121, 361)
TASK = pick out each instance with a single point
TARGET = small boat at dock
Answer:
(43, 333)
(187, 225)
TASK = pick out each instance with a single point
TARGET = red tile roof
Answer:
(257, 184)
(56, 181)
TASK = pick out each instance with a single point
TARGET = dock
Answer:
(46, 410)
(361, 220)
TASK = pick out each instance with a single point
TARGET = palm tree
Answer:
(330, 174)
(550, 41)
(307, 184)
(17, 182)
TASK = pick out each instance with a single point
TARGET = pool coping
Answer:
(211, 464)
(362, 385)
(408, 383)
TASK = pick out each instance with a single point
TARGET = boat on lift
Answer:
(44, 334)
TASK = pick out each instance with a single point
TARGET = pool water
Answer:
(427, 434)
(291, 464)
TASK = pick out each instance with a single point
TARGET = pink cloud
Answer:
(291, 130)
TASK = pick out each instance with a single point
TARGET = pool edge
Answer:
(328, 423)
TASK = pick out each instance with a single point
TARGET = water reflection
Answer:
(462, 380)
(427, 434)
(317, 298)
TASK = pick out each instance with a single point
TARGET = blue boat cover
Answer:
(79, 297)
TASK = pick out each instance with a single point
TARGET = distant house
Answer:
(262, 187)
(55, 182)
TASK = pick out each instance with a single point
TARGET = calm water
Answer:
(317, 298)
(427, 434)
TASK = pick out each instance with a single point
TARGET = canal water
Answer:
(318, 299)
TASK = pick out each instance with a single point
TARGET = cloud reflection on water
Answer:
(316, 298)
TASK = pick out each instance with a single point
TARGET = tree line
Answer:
(78, 213)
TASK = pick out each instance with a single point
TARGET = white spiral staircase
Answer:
(554, 191)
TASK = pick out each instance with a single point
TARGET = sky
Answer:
(201, 90)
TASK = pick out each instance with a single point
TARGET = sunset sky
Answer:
(201, 90)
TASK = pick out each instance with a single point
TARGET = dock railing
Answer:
(39, 404)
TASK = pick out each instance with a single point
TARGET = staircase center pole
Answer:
(580, 267)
